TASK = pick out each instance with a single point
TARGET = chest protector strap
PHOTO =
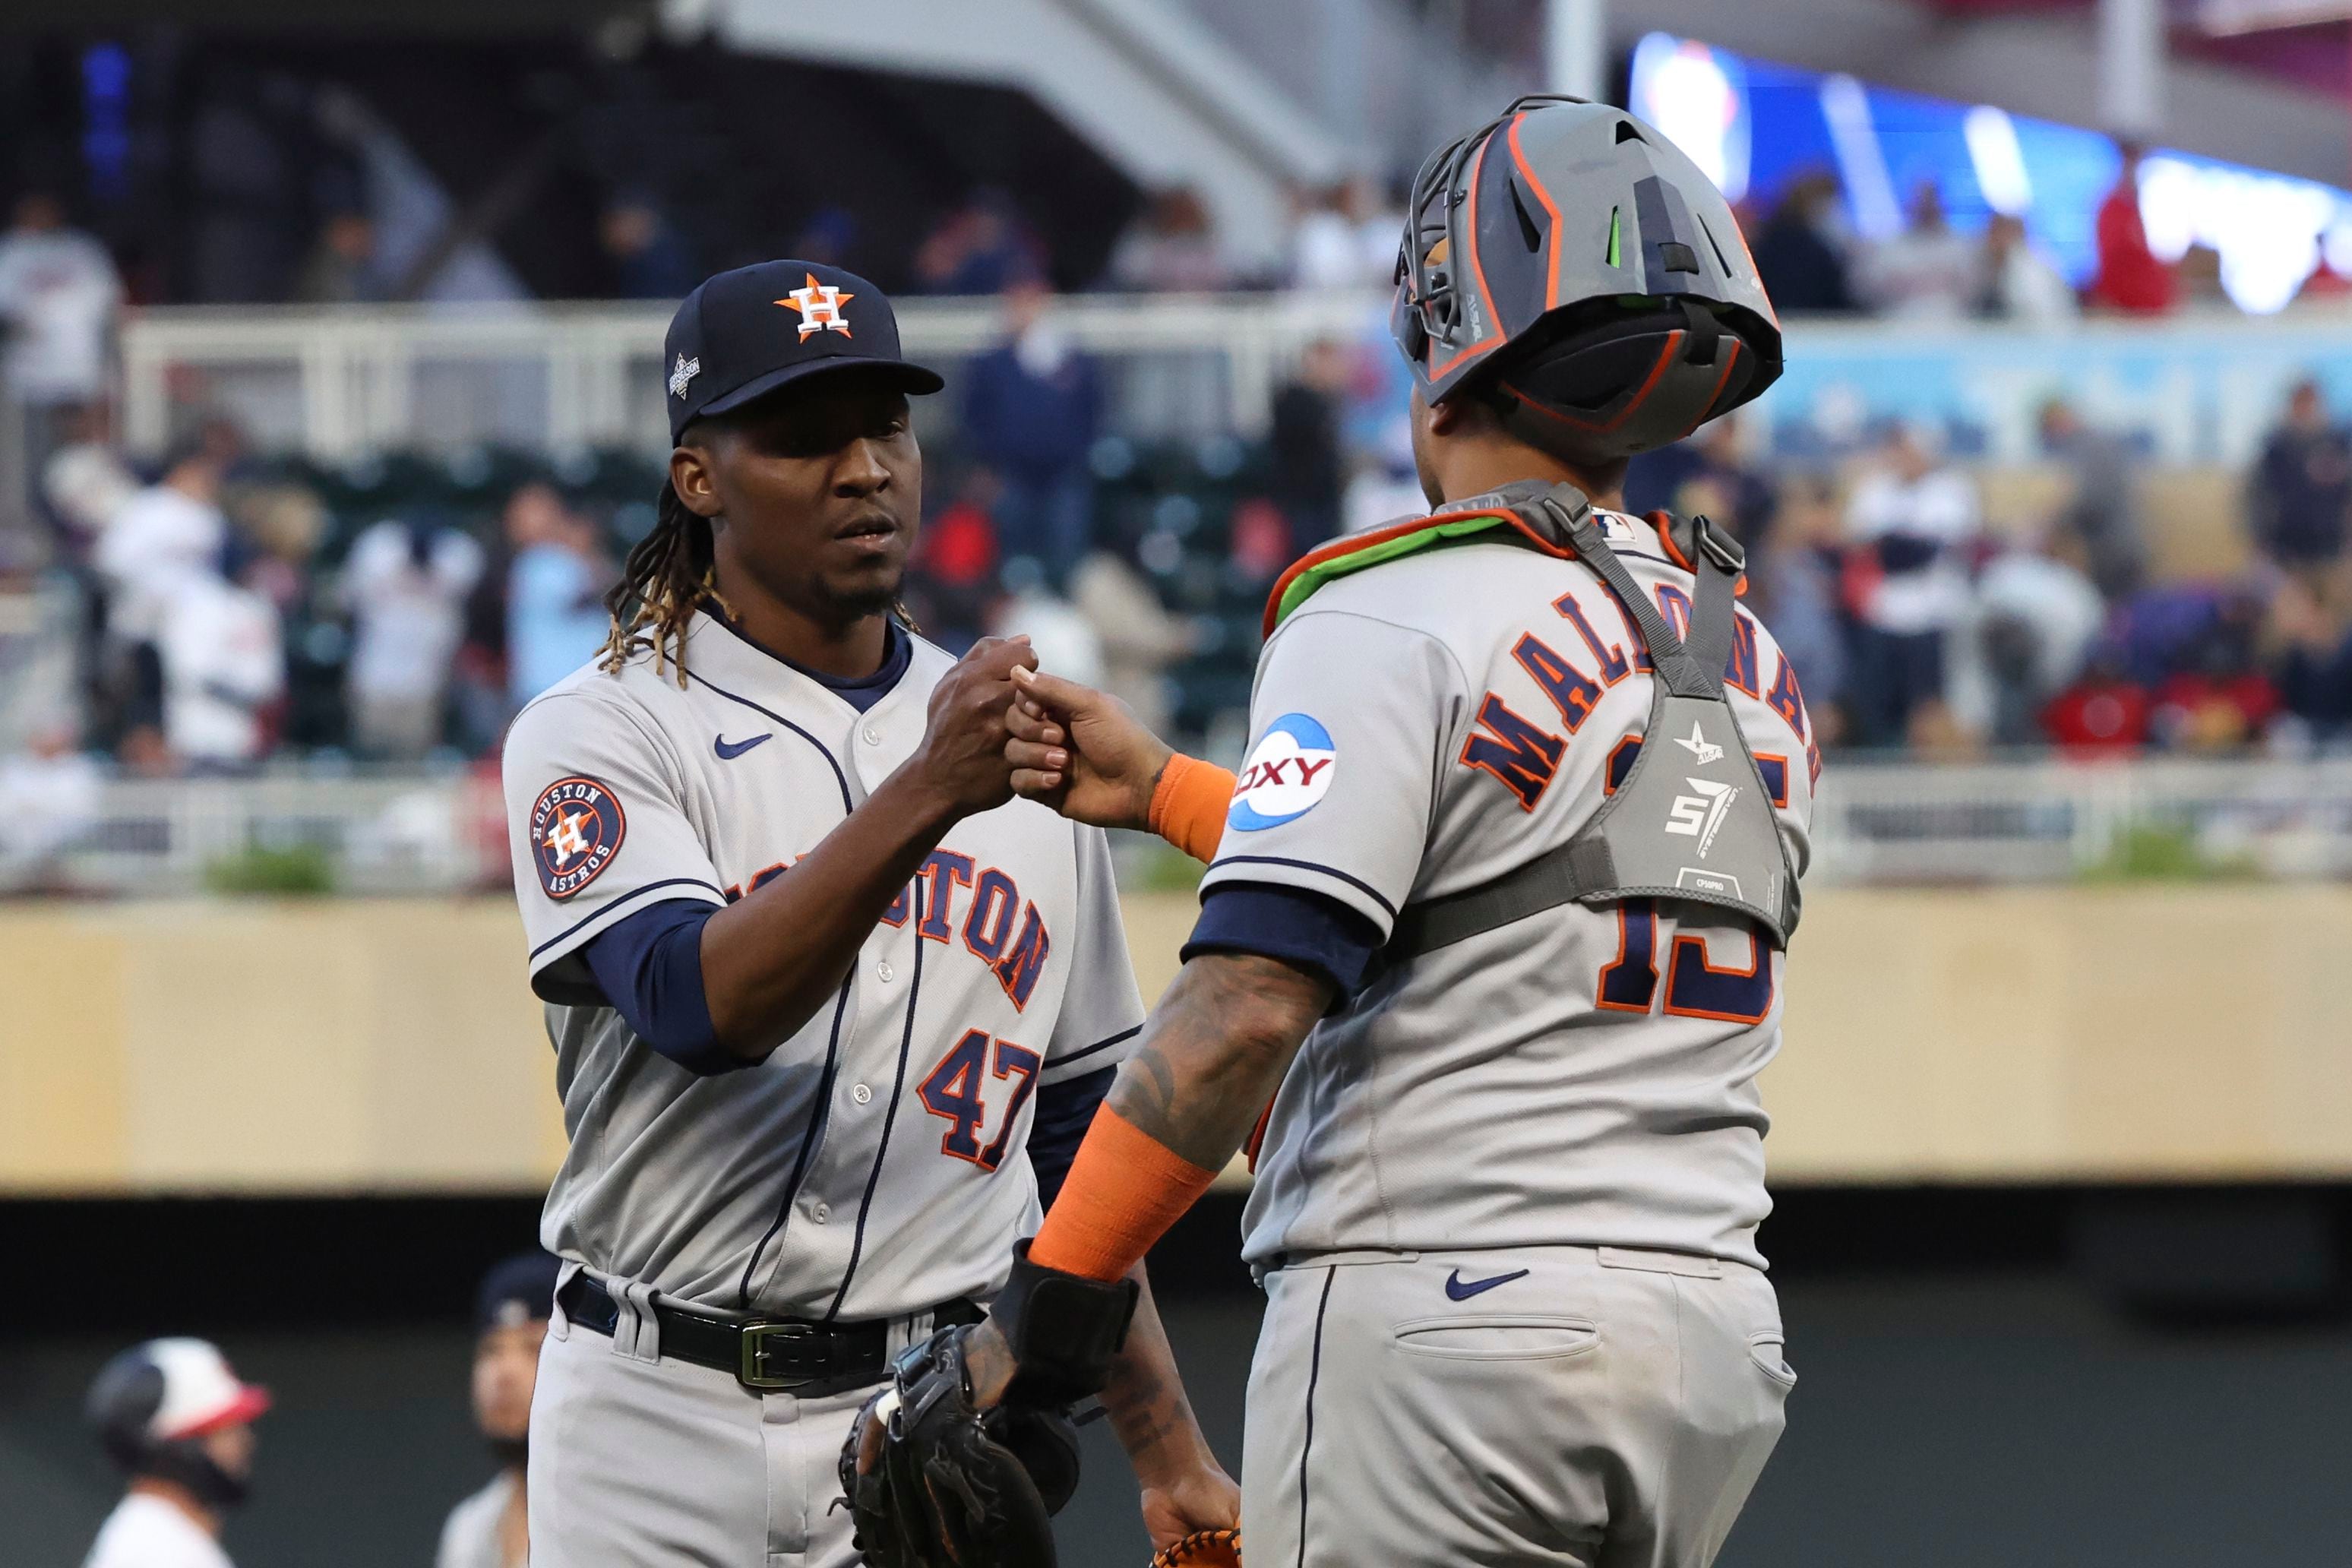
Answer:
(1692, 820)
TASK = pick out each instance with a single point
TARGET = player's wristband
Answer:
(1123, 1192)
(1189, 804)
(1062, 1330)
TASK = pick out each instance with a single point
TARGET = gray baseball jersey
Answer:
(872, 1166)
(1587, 1077)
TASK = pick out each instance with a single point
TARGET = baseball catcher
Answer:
(1498, 918)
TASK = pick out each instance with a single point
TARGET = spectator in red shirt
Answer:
(2104, 713)
(951, 580)
(2130, 277)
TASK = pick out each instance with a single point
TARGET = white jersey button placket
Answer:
(861, 1094)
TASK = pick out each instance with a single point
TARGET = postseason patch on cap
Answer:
(575, 831)
(1289, 771)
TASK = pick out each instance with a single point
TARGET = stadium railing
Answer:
(2038, 820)
(350, 382)
(343, 382)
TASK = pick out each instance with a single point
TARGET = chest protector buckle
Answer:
(1692, 821)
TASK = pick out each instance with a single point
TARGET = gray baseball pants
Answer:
(639, 1462)
(1600, 1407)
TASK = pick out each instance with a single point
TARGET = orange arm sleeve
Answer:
(1123, 1192)
(1188, 808)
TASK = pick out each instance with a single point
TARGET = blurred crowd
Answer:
(1802, 238)
(1814, 262)
(322, 245)
(214, 609)
(218, 608)
(208, 611)
(1923, 625)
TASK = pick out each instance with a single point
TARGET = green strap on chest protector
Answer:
(1692, 821)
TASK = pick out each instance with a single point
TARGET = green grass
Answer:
(300, 871)
(2153, 853)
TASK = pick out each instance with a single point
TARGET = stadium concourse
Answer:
(333, 401)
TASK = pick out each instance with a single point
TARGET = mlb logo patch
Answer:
(1289, 771)
(575, 830)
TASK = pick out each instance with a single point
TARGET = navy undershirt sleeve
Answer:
(1304, 929)
(649, 967)
(1064, 1112)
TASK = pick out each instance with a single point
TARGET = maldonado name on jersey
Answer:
(1524, 755)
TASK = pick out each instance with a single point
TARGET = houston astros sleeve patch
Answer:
(576, 828)
(1289, 771)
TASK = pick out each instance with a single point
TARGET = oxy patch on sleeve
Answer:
(1289, 771)
(576, 828)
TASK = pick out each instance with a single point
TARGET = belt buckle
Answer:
(761, 1342)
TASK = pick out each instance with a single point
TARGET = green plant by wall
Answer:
(299, 870)
(2149, 852)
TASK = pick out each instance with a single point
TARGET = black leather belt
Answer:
(788, 1355)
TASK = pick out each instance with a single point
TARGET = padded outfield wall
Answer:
(2157, 1033)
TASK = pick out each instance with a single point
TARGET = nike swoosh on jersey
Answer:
(1461, 1289)
(729, 750)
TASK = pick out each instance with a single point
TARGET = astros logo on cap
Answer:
(575, 829)
(820, 307)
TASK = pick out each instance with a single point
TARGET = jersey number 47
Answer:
(954, 1091)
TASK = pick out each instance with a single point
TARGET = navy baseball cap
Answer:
(517, 1289)
(744, 333)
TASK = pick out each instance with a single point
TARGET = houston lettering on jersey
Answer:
(1000, 928)
(982, 903)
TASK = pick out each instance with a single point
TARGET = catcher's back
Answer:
(1581, 1076)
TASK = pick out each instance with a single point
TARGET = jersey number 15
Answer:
(1695, 988)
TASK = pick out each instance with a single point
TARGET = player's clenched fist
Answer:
(1083, 752)
(961, 760)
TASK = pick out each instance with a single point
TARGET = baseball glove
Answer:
(1201, 1548)
(954, 1487)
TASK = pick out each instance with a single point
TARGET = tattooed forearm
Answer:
(1160, 1091)
(1216, 1047)
(1146, 1396)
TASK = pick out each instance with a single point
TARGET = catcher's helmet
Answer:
(1568, 258)
(152, 1405)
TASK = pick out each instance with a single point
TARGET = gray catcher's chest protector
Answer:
(1692, 821)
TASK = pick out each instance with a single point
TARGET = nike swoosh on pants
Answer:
(1461, 1289)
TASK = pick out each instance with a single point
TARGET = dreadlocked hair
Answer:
(666, 577)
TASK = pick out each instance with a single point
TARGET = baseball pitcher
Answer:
(1496, 922)
(830, 1008)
